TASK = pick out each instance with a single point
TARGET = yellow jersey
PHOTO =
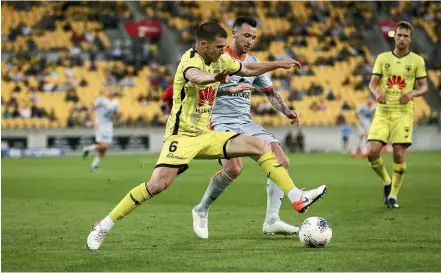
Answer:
(193, 103)
(398, 77)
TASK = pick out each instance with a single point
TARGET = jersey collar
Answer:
(241, 58)
(401, 56)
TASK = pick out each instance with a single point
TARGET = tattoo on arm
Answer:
(277, 101)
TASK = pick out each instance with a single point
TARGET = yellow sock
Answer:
(276, 172)
(378, 167)
(397, 178)
(134, 198)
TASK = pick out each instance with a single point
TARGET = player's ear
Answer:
(234, 33)
(203, 44)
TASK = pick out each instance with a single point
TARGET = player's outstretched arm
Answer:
(198, 76)
(278, 103)
(255, 69)
(374, 87)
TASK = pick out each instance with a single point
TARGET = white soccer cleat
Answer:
(279, 227)
(200, 224)
(96, 236)
(308, 198)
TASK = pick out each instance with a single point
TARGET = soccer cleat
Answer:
(279, 227)
(96, 236)
(85, 152)
(200, 224)
(308, 198)
(387, 189)
(94, 169)
(392, 203)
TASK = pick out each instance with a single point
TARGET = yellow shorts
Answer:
(178, 151)
(398, 127)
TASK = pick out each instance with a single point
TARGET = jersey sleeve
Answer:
(263, 83)
(378, 66)
(420, 69)
(230, 64)
(190, 61)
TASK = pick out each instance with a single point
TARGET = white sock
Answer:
(107, 223)
(217, 185)
(274, 201)
(90, 148)
(95, 162)
(295, 194)
(387, 183)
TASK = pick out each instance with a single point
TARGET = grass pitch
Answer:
(49, 205)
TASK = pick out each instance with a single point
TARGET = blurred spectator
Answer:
(36, 112)
(69, 72)
(340, 119)
(93, 67)
(13, 102)
(322, 105)
(71, 95)
(345, 106)
(166, 102)
(315, 107)
(296, 95)
(25, 111)
(17, 89)
(8, 113)
(35, 98)
(345, 133)
(52, 116)
(330, 95)
(289, 142)
(300, 141)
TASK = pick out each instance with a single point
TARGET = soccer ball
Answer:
(315, 232)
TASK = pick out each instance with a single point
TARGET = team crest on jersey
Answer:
(396, 81)
(408, 68)
(206, 95)
(386, 67)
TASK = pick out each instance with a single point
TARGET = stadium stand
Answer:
(321, 35)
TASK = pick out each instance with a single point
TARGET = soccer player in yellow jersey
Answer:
(188, 133)
(398, 77)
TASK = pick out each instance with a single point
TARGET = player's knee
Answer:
(233, 170)
(372, 153)
(264, 146)
(284, 160)
(257, 146)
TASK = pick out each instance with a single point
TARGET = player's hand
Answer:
(289, 63)
(222, 77)
(405, 98)
(243, 86)
(380, 98)
(294, 117)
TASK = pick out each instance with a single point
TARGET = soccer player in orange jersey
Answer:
(398, 77)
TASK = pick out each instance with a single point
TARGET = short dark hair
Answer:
(209, 31)
(405, 25)
(244, 20)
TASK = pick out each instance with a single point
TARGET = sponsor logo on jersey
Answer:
(396, 81)
(206, 95)
(171, 155)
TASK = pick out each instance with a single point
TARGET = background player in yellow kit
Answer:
(398, 77)
(188, 133)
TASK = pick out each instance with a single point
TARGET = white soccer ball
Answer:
(315, 232)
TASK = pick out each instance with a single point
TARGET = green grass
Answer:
(49, 205)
